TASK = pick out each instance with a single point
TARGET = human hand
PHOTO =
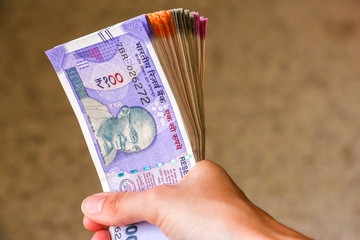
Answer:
(205, 204)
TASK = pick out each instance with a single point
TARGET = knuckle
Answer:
(206, 167)
(158, 192)
(116, 203)
(157, 197)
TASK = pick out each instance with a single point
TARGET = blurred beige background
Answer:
(282, 109)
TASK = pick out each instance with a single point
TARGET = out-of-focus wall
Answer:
(282, 95)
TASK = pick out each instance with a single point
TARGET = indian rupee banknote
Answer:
(127, 112)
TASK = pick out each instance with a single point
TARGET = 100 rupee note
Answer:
(127, 112)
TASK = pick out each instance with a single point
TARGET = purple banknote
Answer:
(126, 110)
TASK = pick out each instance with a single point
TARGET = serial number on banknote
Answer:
(133, 74)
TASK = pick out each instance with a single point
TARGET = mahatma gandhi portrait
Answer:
(133, 130)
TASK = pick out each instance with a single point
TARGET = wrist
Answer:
(283, 232)
(251, 222)
(279, 231)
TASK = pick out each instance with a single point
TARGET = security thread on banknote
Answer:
(137, 91)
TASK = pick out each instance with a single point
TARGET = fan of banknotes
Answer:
(137, 91)
(179, 41)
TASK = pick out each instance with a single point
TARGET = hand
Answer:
(206, 204)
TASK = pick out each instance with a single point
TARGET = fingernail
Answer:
(93, 204)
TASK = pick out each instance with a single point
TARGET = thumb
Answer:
(120, 208)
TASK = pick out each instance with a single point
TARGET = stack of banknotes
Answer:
(137, 91)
